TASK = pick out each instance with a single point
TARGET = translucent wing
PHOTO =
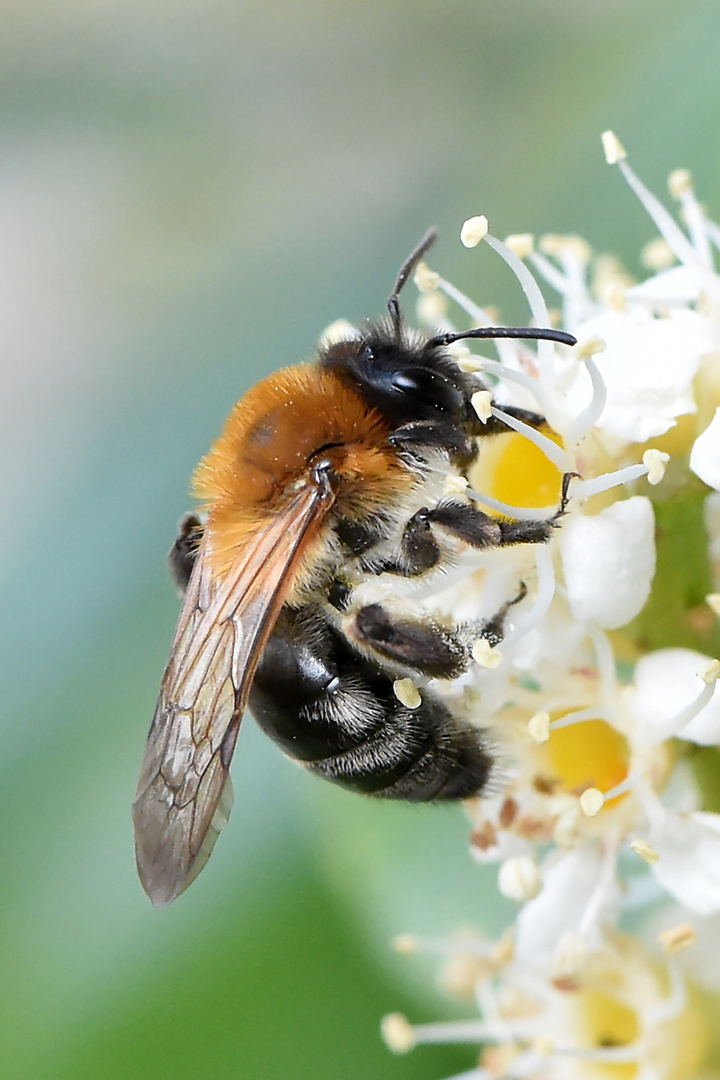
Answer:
(224, 624)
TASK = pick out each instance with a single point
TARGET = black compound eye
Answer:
(429, 388)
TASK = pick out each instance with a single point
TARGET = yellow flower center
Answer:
(588, 754)
(514, 470)
(607, 1022)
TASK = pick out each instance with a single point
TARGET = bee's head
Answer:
(401, 374)
(411, 376)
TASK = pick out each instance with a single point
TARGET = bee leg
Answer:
(493, 630)
(418, 550)
(181, 556)
(423, 645)
(337, 713)
(480, 530)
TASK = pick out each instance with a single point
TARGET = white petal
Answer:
(679, 284)
(572, 881)
(701, 963)
(705, 456)
(667, 682)
(609, 562)
(689, 863)
(648, 368)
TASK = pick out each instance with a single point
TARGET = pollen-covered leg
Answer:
(419, 549)
(423, 645)
(480, 530)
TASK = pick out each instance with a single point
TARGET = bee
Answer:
(327, 476)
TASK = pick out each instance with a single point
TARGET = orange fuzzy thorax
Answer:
(269, 441)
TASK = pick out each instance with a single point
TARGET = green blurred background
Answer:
(189, 192)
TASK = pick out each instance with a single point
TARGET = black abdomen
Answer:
(337, 713)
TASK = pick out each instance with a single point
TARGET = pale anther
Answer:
(678, 938)
(657, 254)
(585, 349)
(397, 1031)
(481, 402)
(521, 244)
(519, 878)
(485, 655)
(432, 308)
(407, 693)
(427, 280)
(615, 295)
(340, 330)
(679, 182)
(711, 673)
(569, 246)
(504, 950)
(614, 149)
(539, 727)
(455, 485)
(474, 230)
(471, 364)
(656, 461)
(591, 802)
(459, 351)
(645, 851)
(405, 943)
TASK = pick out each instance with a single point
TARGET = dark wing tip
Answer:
(166, 862)
(162, 870)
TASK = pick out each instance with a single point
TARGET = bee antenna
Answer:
(526, 332)
(404, 273)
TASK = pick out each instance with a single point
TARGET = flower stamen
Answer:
(493, 367)
(522, 513)
(665, 222)
(645, 850)
(584, 489)
(678, 938)
(543, 597)
(579, 716)
(537, 304)
(580, 426)
(559, 457)
(407, 693)
(681, 188)
(674, 725)
(552, 275)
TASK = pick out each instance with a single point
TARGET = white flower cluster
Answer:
(597, 811)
